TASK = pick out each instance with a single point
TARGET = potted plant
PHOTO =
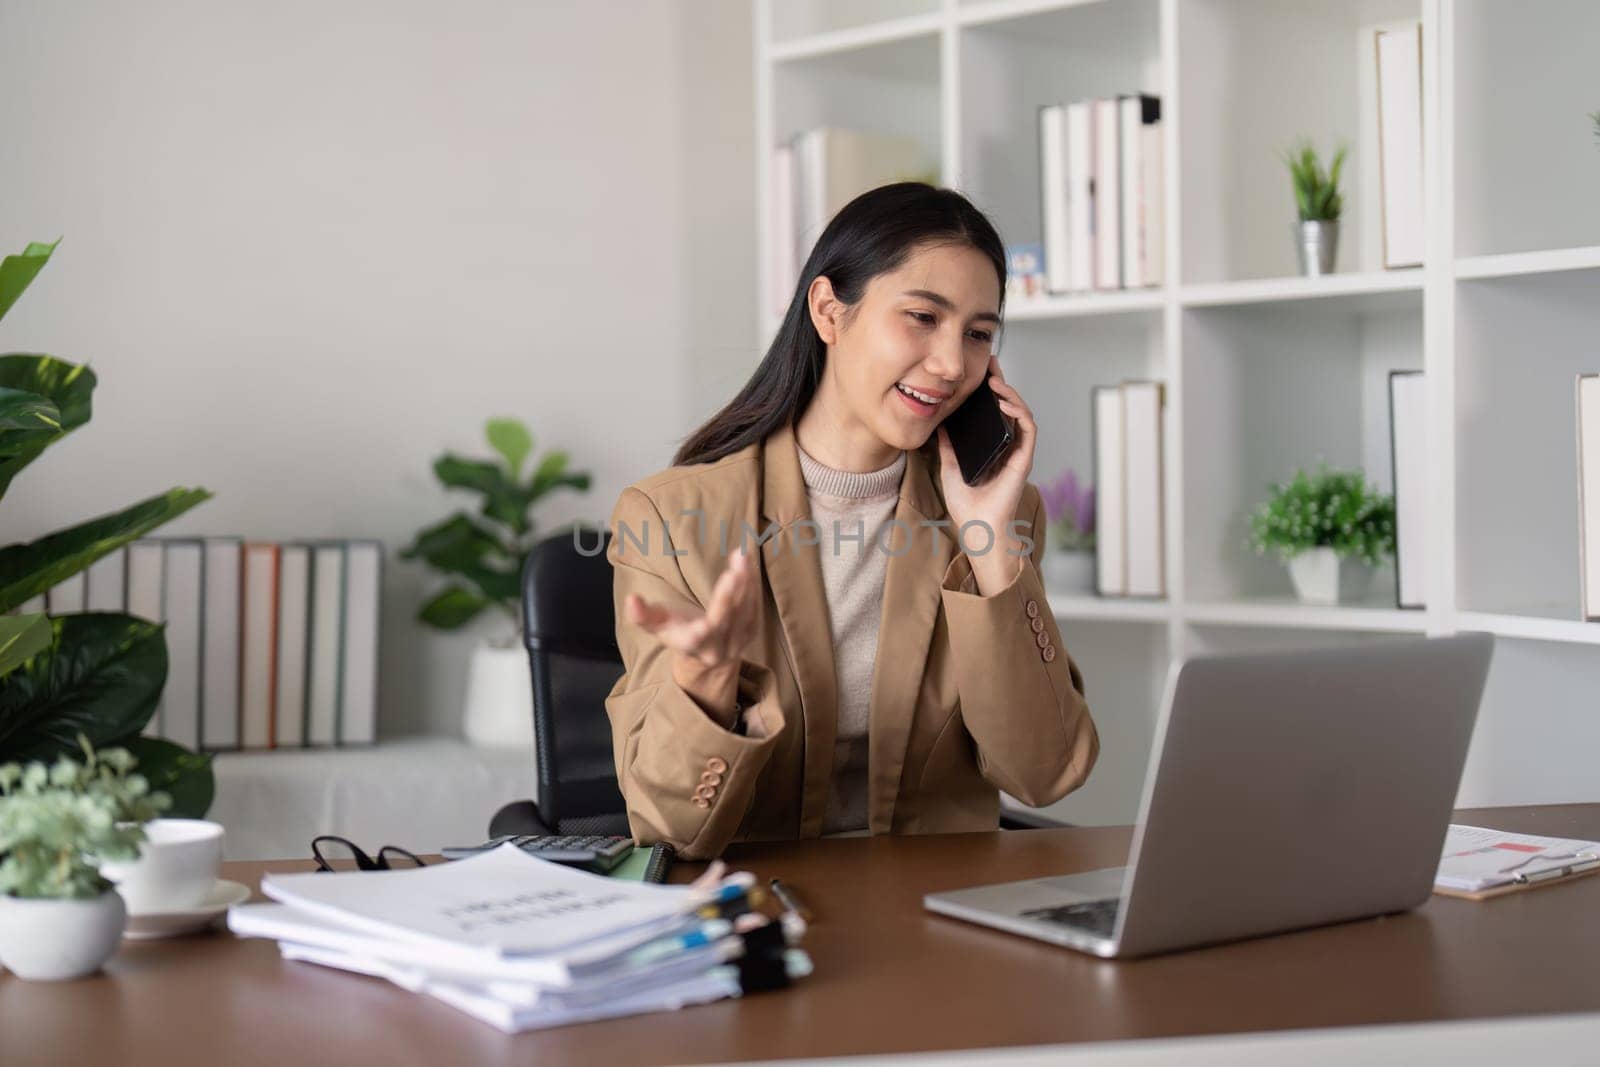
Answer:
(99, 674)
(59, 917)
(482, 556)
(1069, 540)
(1331, 528)
(1317, 197)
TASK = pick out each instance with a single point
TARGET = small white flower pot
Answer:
(1321, 577)
(52, 940)
(1068, 572)
(499, 703)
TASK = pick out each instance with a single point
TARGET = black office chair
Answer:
(569, 628)
(570, 632)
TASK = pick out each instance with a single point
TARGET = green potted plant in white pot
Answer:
(1331, 528)
(59, 916)
(482, 557)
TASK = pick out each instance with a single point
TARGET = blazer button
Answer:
(1032, 609)
(1048, 653)
(1041, 639)
(717, 765)
(705, 791)
(701, 802)
(711, 778)
(1036, 624)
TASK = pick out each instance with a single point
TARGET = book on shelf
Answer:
(1588, 421)
(1399, 82)
(1111, 570)
(293, 637)
(1100, 186)
(146, 600)
(1130, 516)
(1408, 438)
(1140, 172)
(815, 174)
(67, 597)
(258, 644)
(184, 574)
(107, 578)
(260, 635)
(1107, 195)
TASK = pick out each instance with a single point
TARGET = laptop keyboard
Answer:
(1098, 917)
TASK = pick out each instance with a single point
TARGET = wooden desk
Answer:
(890, 977)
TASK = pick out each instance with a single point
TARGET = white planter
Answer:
(50, 940)
(1321, 577)
(1068, 572)
(499, 703)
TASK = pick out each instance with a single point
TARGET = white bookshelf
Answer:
(1266, 370)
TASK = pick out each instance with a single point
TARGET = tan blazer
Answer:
(970, 694)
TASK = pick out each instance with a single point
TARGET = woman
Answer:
(859, 671)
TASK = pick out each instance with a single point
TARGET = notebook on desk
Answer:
(1480, 863)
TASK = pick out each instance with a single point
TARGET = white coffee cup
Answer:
(177, 866)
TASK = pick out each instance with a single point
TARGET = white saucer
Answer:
(153, 924)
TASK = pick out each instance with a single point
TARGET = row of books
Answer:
(522, 944)
(814, 174)
(1130, 531)
(1100, 181)
(269, 645)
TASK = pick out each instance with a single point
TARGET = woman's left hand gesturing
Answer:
(994, 500)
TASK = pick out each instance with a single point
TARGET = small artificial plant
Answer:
(58, 820)
(1316, 191)
(483, 553)
(1330, 509)
(1069, 510)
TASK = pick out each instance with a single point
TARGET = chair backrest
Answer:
(570, 631)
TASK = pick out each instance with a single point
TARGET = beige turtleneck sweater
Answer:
(852, 576)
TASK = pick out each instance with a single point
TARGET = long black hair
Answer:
(871, 235)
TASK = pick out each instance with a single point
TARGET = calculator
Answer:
(600, 852)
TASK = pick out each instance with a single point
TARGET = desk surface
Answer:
(890, 977)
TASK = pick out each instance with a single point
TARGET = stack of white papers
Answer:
(523, 943)
(1476, 859)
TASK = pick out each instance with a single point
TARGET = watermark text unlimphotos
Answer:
(975, 537)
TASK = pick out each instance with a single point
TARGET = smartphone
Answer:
(980, 433)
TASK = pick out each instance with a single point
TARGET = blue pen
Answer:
(667, 946)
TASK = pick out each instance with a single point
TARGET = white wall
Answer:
(308, 246)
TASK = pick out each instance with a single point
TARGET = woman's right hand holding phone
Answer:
(707, 643)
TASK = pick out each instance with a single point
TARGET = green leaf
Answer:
(101, 676)
(510, 438)
(452, 608)
(21, 638)
(183, 775)
(30, 569)
(17, 272)
(66, 386)
(22, 410)
(478, 475)
(456, 543)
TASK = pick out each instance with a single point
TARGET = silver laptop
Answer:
(1285, 790)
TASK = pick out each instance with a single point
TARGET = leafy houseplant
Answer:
(95, 674)
(1070, 544)
(482, 556)
(1314, 522)
(1319, 203)
(59, 917)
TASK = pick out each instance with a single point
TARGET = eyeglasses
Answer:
(334, 854)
